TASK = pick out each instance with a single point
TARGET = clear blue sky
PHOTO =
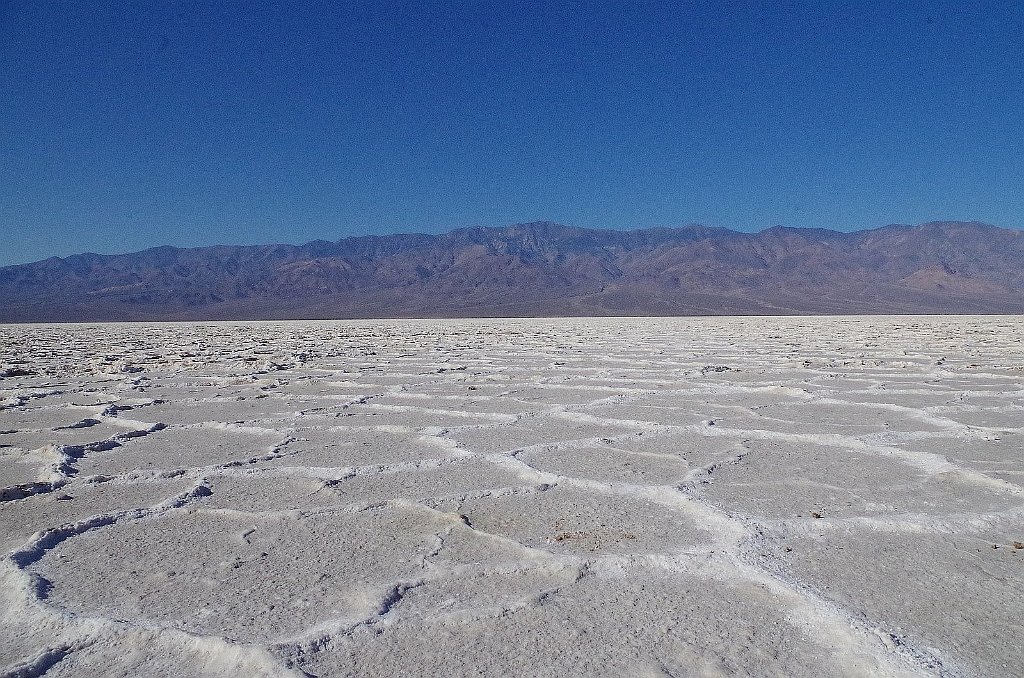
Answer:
(127, 125)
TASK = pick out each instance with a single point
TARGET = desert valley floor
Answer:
(687, 496)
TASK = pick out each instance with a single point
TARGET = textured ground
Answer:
(771, 496)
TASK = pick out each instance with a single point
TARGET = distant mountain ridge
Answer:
(535, 269)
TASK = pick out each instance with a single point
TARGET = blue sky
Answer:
(128, 125)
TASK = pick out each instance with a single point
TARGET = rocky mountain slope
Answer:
(539, 269)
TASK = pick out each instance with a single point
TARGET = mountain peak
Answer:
(539, 268)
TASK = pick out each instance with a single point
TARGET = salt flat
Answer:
(692, 496)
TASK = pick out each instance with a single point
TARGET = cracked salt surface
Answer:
(727, 496)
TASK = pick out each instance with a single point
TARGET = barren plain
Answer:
(634, 496)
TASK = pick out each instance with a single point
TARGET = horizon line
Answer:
(537, 222)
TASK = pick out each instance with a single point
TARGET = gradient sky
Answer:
(128, 125)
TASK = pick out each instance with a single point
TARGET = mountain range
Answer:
(539, 269)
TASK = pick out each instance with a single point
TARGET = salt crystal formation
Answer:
(765, 496)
